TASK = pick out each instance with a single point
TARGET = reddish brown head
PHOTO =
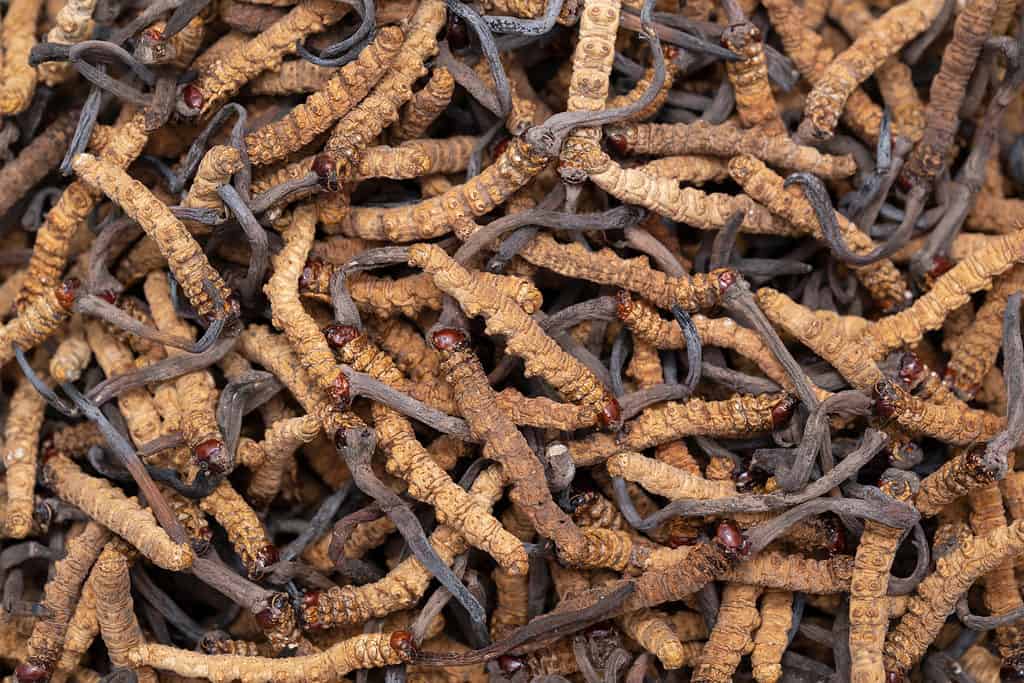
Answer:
(31, 673)
(783, 411)
(728, 534)
(836, 534)
(340, 391)
(449, 339)
(108, 295)
(47, 450)
(1012, 670)
(327, 172)
(748, 480)
(402, 643)
(67, 291)
(911, 369)
(275, 612)
(618, 143)
(211, 455)
(153, 34)
(886, 397)
(500, 147)
(509, 664)
(610, 415)
(456, 32)
(340, 336)
(896, 677)
(724, 279)
(940, 265)
(193, 97)
(264, 558)
(310, 274)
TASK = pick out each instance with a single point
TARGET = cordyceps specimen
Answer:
(512, 341)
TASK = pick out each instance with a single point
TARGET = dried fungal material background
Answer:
(511, 341)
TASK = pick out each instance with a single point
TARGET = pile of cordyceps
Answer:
(511, 341)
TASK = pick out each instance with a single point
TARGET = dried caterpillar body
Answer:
(409, 460)
(73, 24)
(190, 516)
(645, 365)
(37, 158)
(936, 596)
(516, 166)
(178, 51)
(288, 314)
(359, 652)
(645, 322)
(980, 664)
(505, 444)
(367, 536)
(755, 103)
(17, 76)
(531, 9)
(74, 440)
(949, 292)
(239, 63)
(414, 357)
(700, 291)
(405, 584)
(951, 423)
(821, 332)
(651, 629)
(243, 526)
(184, 256)
(292, 78)
(73, 354)
(40, 318)
(726, 140)
(664, 480)
(60, 597)
(731, 636)
(522, 112)
(811, 57)
(136, 405)
(425, 106)
(197, 391)
(644, 84)
(881, 279)
(687, 205)
(416, 158)
(539, 411)
(111, 508)
(218, 165)
(380, 109)
(1000, 591)
(588, 86)
(795, 572)
(869, 618)
(279, 445)
(888, 34)
(349, 85)
(689, 168)
(115, 609)
(965, 472)
(53, 239)
(542, 356)
(976, 350)
(893, 76)
(316, 278)
(948, 88)
(741, 414)
(260, 345)
(237, 648)
(771, 640)
(20, 449)
(81, 631)
(511, 591)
